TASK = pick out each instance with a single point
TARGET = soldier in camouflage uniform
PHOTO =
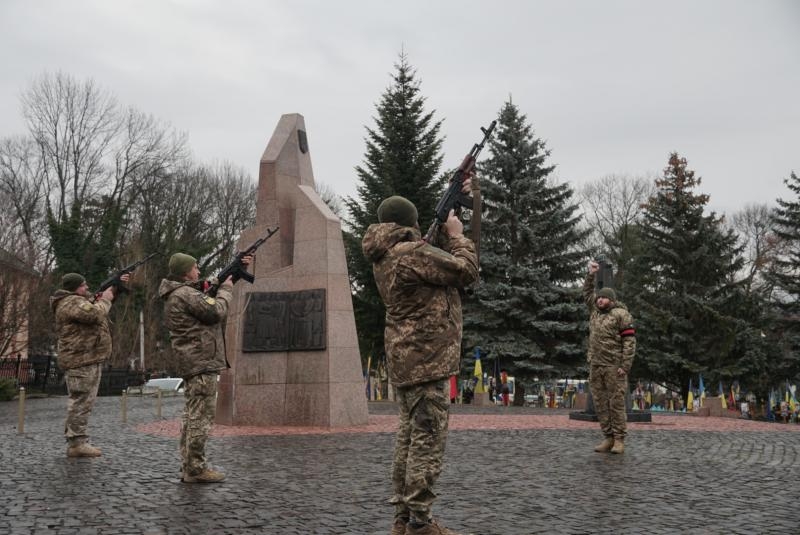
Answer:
(612, 345)
(84, 343)
(419, 285)
(195, 321)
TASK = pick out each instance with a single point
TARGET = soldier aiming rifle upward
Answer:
(236, 269)
(116, 280)
(454, 199)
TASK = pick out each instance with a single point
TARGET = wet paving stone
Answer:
(508, 471)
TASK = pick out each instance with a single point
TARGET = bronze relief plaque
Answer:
(285, 321)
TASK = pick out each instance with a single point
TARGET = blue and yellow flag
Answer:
(690, 398)
(770, 403)
(479, 388)
(378, 387)
(772, 400)
(701, 390)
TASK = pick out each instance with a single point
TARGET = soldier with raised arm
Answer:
(612, 345)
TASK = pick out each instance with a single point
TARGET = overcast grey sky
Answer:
(612, 86)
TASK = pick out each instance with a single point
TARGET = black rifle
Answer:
(453, 198)
(115, 279)
(605, 275)
(236, 270)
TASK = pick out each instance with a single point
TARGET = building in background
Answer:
(16, 282)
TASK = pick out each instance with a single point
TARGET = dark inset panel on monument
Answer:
(285, 321)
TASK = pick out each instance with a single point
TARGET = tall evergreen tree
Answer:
(526, 310)
(784, 274)
(686, 302)
(403, 157)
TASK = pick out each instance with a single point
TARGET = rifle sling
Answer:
(475, 221)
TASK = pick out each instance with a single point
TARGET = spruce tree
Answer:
(784, 274)
(526, 311)
(402, 158)
(686, 301)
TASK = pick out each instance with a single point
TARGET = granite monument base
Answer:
(638, 416)
(589, 415)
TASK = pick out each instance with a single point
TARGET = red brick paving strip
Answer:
(480, 422)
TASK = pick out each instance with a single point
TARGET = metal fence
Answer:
(40, 373)
(36, 373)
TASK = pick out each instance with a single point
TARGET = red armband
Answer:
(628, 331)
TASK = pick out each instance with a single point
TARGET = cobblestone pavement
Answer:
(508, 471)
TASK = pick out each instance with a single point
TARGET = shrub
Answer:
(8, 389)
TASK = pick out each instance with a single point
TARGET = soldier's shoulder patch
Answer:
(86, 306)
(209, 300)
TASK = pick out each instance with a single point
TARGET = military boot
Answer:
(432, 528)
(83, 450)
(206, 476)
(619, 446)
(605, 445)
(399, 526)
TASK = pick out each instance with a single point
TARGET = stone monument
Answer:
(291, 336)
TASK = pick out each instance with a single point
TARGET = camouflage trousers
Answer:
(608, 395)
(82, 385)
(419, 448)
(198, 417)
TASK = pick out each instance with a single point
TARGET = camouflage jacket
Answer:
(612, 338)
(419, 285)
(83, 329)
(195, 322)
